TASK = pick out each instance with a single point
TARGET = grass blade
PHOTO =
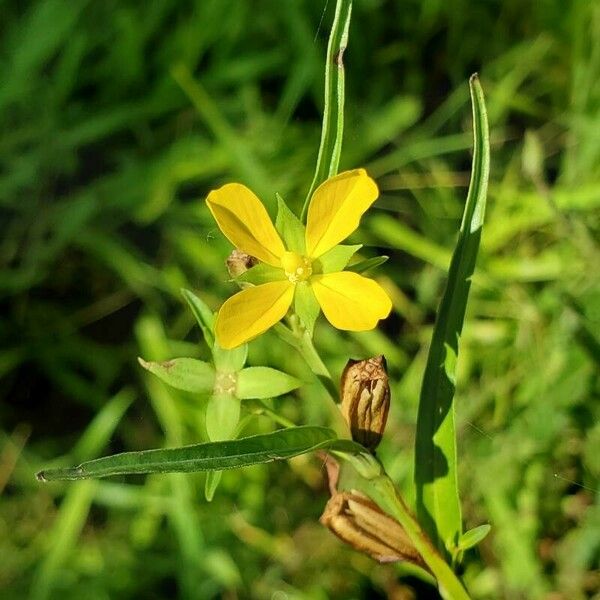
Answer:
(211, 456)
(438, 504)
(332, 130)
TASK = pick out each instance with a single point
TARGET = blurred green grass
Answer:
(117, 119)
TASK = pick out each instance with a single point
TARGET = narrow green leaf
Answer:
(336, 259)
(203, 314)
(306, 306)
(438, 504)
(474, 536)
(290, 227)
(368, 264)
(211, 456)
(332, 130)
(222, 416)
(264, 382)
(188, 374)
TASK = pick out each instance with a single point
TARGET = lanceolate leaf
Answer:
(438, 503)
(264, 382)
(203, 314)
(187, 374)
(211, 456)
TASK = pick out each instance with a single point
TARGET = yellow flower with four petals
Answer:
(348, 300)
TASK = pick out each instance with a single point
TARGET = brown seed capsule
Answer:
(365, 392)
(359, 522)
(239, 262)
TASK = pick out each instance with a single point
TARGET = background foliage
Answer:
(118, 117)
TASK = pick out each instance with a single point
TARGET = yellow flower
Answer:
(348, 300)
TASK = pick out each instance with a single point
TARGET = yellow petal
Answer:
(351, 301)
(252, 311)
(245, 222)
(336, 208)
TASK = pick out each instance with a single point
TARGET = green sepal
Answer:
(290, 228)
(368, 264)
(261, 273)
(222, 416)
(203, 314)
(306, 306)
(336, 259)
(470, 539)
(188, 374)
(264, 382)
(229, 361)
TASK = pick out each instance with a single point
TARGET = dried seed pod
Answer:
(365, 393)
(239, 262)
(359, 522)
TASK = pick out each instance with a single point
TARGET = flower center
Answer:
(297, 268)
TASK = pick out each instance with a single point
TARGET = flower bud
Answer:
(359, 522)
(366, 399)
(239, 262)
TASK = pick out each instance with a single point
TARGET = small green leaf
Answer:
(211, 456)
(474, 536)
(261, 273)
(222, 416)
(213, 478)
(290, 228)
(306, 306)
(264, 382)
(203, 314)
(367, 265)
(336, 259)
(229, 361)
(188, 374)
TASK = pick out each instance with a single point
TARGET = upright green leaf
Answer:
(229, 361)
(230, 454)
(438, 504)
(332, 130)
(203, 314)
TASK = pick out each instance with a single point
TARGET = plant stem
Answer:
(299, 338)
(382, 491)
(333, 110)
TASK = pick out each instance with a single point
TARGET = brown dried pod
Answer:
(359, 522)
(365, 391)
(239, 262)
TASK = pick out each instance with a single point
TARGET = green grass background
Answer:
(118, 117)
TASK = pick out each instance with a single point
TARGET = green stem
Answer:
(299, 338)
(382, 491)
(258, 407)
(332, 130)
